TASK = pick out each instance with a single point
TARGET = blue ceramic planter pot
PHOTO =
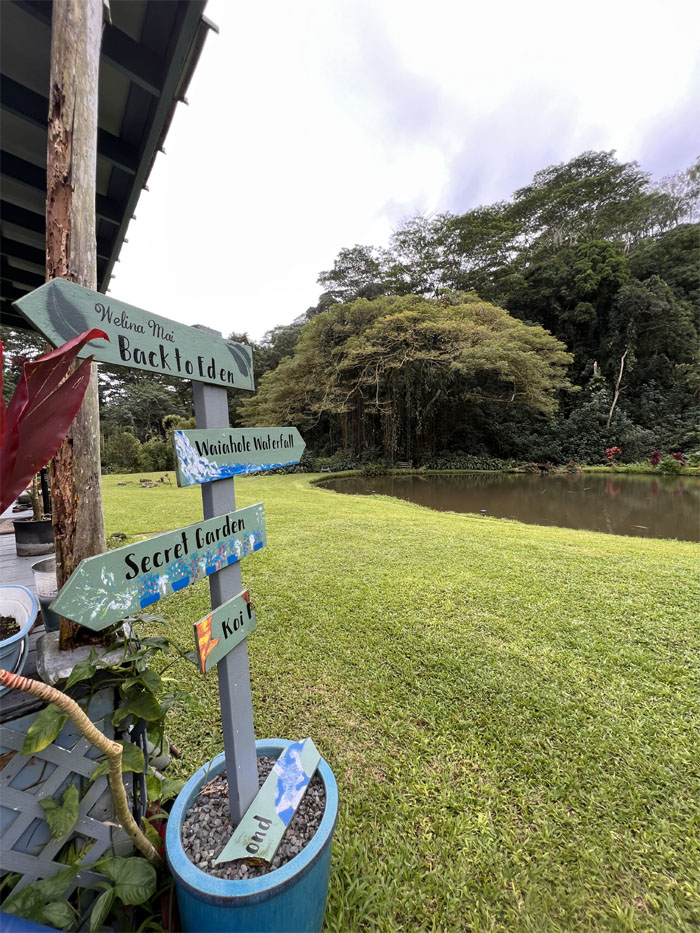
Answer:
(292, 898)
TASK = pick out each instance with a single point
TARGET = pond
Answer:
(622, 504)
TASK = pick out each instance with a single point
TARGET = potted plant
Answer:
(18, 610)
(43, 405)
(34, 536)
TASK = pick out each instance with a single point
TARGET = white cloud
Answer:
(318, 125)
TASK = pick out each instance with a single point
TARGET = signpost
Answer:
(106, 588)
(138, 339)
(219, 632)
(203, 456)
(111, 586)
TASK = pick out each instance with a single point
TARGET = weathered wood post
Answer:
(211, 411)
(71, 253)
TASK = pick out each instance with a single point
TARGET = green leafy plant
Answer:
(143, 696)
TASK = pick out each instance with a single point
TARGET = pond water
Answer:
(625, 504)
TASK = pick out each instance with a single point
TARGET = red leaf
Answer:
(40, 413)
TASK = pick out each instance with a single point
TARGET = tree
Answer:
(358, 272)
(398, 372)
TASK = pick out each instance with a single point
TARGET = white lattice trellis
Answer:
(26, 846)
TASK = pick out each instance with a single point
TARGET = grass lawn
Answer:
(511, 712)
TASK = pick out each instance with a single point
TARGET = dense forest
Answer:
(548, 327)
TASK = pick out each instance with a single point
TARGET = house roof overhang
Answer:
(149, 52)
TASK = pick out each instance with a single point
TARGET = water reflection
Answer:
(648, 506)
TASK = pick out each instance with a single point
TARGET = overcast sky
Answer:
(323, 123)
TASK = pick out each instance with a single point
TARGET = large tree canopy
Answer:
(397, 373)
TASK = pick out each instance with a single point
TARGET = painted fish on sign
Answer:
(258, 835)
(204, 456)
(224, 628)
(107, 588)
(138, 339)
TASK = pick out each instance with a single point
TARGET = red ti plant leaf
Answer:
(41, 410)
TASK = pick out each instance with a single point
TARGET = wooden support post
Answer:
(71, 253)
(211, 411)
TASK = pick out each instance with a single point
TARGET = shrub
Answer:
(671, 466)
(121, 453)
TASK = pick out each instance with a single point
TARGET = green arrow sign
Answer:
(138, 339)
(204, 456)
(107, 588)
(258, 835)
(224, 628)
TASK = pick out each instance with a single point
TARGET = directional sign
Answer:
(138, 339)
(258, 835)
(113, 585)
(225, 627)
(204, 456)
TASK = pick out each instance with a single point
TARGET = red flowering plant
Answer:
(678, 455)
(612, 453)
(43, 405)
(655, 459)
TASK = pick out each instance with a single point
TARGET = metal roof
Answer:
(148, 55)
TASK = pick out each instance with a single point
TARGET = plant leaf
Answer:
(132, 760)
(139, 703)
(34, 902)
(59, 915)
(63, 816)
(42, 408)
(83, 670)
(43, 730)
(100, 909)
(134, 878)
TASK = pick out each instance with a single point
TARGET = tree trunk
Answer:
(71, 253)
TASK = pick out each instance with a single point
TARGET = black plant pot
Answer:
(33, 538)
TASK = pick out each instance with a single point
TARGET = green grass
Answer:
(511, 711)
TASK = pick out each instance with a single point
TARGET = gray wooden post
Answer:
(211, 411)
